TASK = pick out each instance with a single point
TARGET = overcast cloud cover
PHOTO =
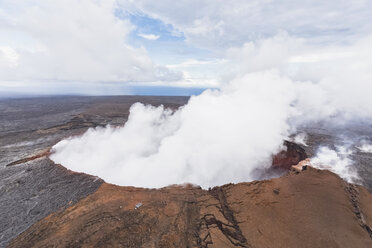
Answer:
(274, 66)
(66, 41)
(219, 24)
(48, 43)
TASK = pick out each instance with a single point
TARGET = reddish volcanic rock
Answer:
(292, 155)
(311, 208)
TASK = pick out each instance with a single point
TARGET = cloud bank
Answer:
(67, 40)
(217, 25)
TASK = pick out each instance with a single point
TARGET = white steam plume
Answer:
(218, 137)
(365, 147)
(225, 136)
(300, 138)
(338, 161)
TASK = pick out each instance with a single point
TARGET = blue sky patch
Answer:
(170, 47)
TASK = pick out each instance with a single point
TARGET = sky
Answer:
(105, 47)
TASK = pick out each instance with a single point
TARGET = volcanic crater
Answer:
(45, 205)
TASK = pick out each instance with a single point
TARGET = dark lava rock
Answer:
(30, 192)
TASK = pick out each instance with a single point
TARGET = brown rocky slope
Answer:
(312, 208)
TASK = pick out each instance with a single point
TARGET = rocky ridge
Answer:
(311, 208)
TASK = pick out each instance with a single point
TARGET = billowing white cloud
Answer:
(229, 135)
(85, 41)
(67, 40)
(331, 79)
(310, 32)
(149, 36)
(218, 137)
